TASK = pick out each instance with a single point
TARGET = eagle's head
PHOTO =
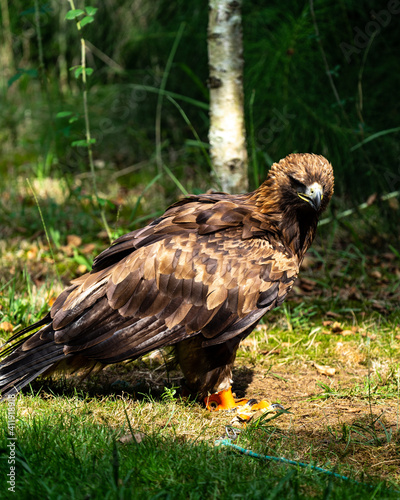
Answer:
(300, 182)
(305, 181)
(297, 190)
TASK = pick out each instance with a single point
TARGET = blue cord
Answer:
(233, 434)
(228, 442)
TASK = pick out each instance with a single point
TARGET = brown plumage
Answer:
(199, 277)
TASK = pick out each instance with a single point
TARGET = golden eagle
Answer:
(200, 277)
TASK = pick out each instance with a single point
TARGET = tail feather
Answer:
(21, 366)
(26, 361)
(16, 385)
(11, 346)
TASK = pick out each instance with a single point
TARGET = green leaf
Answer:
(79, 144)
(66, 132)
(72, 14)
(197, 144)
(73, 119)
(63, 114)
(86, 20)
(83, 143)
(19, 73)
(89, 71)
(78, 71)
(43, 9)
(27, 12)
(14, 78)
(81, 260)
(103, 202)
(375, 136)
(91, 11)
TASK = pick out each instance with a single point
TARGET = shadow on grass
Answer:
(137, 382)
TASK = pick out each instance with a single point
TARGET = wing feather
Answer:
(189, 272)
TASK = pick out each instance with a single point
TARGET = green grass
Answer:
(71, 448)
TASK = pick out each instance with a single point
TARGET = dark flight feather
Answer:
(201, 276)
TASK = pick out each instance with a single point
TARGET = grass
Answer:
(84, 447)
(124, 433)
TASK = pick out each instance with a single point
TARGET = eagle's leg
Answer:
(207, 370)
(208, 373)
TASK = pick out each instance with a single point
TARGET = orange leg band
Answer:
(222, 400)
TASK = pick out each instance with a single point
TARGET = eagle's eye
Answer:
(296, 184)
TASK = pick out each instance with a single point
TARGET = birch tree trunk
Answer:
(227, 129)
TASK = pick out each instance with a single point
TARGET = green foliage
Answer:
(289, 99)
(86, 16)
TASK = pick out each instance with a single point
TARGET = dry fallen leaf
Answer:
(82, 269)
(325, 370)
(88, 248)
(371, 337)
(102, 235)
(67, 249)
(371, 199)
(128, 438)
(274, 351)
(336, 328)
(308, 262)
(32, 253)
(332, 314)
(393, 203)
(6, 326)
(249, 343)
(307, 285)
(388, 256)
(156, 357)
(74, 240)
(345, 333)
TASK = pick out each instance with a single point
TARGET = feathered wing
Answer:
(205, 268)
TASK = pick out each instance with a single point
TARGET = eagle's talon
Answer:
(277, 407)
(224, 400)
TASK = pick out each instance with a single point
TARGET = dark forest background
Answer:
(327, 84)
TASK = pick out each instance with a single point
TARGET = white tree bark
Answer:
(227, 129)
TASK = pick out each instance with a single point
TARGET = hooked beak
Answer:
(313, 195)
